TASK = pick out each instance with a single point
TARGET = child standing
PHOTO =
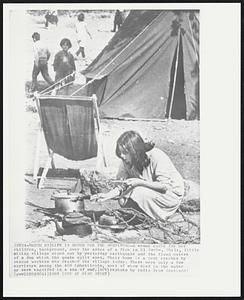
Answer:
(47, 18)
(41, 57)
(118, 20)
(82, 32)
(64, 63)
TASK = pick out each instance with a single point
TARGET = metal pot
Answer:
(74, 223)
(68, 202)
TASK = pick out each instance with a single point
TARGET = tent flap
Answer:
(132, 75)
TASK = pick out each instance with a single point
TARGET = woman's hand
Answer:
(134, 182)
(106, 196)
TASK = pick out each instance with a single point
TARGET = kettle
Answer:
(74, 223)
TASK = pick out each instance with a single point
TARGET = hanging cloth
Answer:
(69, 128)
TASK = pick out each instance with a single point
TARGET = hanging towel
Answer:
(69, 127)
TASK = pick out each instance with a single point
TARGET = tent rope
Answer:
(193, 41)
(175, 74)
(57, 82)
(100, 72)
(61, 86)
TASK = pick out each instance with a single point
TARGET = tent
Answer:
(150, 68)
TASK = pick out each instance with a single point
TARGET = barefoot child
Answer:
(82, 33)
(64, 62)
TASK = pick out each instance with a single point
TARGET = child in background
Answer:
(82, 32)
(47, 16)
(41, 57)
(118, 20)
(64, 63)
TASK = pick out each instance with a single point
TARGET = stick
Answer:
(107, 235)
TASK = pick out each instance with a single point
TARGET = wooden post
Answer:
(36, 162)
(175, 75)
(100, 142)
(41, 124)
(44, 173)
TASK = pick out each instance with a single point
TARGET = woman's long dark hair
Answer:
(131, 142)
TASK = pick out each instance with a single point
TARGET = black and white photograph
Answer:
(121, 149)
(112, 103)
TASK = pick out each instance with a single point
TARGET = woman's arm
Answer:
(113, 194)
(131, 183)
(154, 185)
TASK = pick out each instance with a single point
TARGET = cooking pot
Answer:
(74, 223)
(69, 202)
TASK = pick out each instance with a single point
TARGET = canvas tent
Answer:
(150, 68)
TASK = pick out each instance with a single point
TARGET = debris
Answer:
(188, 220)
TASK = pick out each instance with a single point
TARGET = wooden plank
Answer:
(60, 178)
(63, 97)
(134, 119)
(58, 184)
(61, 173)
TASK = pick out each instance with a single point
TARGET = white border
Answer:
(220, 165)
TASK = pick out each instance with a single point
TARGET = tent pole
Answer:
(175, 74)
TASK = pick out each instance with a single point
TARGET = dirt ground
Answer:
(179, 139)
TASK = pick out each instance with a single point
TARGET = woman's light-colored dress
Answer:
(156, 205)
